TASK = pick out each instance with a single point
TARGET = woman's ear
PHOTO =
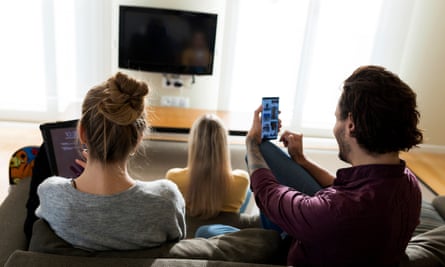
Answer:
(140, 139)
(137, 145)
(81, 134)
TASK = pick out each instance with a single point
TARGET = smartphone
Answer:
(269, 118)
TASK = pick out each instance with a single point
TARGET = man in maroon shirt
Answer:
(364, 216)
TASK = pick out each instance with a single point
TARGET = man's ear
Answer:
(350, 124)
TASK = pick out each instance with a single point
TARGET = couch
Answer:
(251, 246)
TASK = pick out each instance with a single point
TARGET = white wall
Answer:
(423, 67)
(204, 92)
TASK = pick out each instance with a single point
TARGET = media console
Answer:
(179, 120)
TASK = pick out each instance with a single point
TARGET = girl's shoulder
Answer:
(240, 177)
(240, 174)
(175, 172)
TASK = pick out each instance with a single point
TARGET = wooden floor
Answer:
(428, 166)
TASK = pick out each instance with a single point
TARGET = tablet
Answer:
(62, 148)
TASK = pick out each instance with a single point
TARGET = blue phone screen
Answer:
(269, 118)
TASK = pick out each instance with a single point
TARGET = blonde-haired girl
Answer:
(208, 183)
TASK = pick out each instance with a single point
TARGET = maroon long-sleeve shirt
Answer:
(366, 217)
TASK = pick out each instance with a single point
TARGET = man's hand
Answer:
(294, 144)
(255, 131)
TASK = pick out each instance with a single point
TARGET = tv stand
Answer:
(180, 120)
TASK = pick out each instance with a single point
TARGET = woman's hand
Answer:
(83, 162)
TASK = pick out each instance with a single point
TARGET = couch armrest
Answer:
(439, 204)
(37, 259)
(13, 214)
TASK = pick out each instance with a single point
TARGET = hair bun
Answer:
(124, 100)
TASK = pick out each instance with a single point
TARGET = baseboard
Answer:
(432, 148)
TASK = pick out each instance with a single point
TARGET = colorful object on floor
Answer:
(21, 163)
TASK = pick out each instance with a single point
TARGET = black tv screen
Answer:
(166, 41)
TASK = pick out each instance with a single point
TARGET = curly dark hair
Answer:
(383, 109)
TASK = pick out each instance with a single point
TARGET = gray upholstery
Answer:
(429, 218)
(13, 214)
(426, 249)
(439, 204)
(35, 259)
(252, 245)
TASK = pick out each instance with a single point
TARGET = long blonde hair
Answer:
(113, 118)
(209, 167)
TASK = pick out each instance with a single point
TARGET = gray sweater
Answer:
(146, 215)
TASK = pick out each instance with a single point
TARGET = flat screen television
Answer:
(166, 40)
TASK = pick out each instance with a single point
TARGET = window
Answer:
(268, 42)
(22, 54)
(341, 39)
(43, 76)
(300, 51)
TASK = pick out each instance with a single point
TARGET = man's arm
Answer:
(323, 176)
(255, 159)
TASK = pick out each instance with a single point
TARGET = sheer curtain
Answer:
(44, 78)
(302, 50)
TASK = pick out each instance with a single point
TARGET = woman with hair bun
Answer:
(104, 208)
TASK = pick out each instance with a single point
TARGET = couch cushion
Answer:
(439, 204)
(429, 219)
(426, 249)
(229, 218)
(253, 245)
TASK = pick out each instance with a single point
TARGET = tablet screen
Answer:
(62, 147)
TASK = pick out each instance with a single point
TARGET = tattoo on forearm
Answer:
(254, 158)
